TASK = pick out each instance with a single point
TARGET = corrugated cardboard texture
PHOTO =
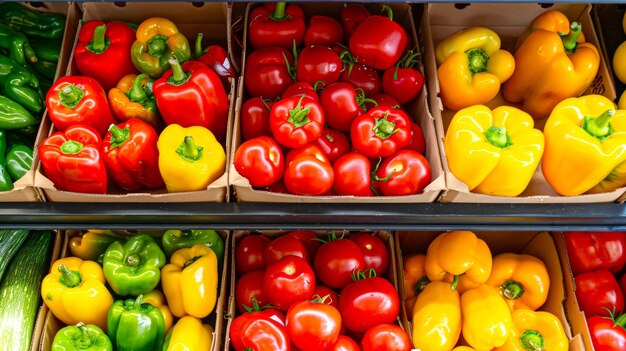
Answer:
(212, 19)
(509, 21)
(51, 325)
(417, 109)
(539, 245)
(392, 274)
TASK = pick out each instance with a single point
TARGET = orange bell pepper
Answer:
(132, 98)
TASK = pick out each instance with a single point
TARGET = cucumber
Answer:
(20, 291)
(10, 241)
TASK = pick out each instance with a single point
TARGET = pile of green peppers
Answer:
(30, 45)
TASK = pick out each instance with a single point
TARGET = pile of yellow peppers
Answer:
(458, 289)
(619, 65)
(582, 148)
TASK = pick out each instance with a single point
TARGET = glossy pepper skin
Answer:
(134, 267)
(72, 160)
(14, 116)
(472, 67)
(585, 146)
(82, 337)
(260, 160)
(189, 158)
(103, 51)
(6, 183)
(178, 239)
(598, 293)
(131, 155)
(157, 299)
(192, 95)
(608, 334)
(17, 45)
(415, 279)
(157, 40)
(267, 72)
(487, 321)
(20, 85)
(216, 58)
(380, 132)
(189, 334)
(74, 291)
(32, 23)
(79, 100)
(436, 317)
(535, 331)
(19, 160)
(276, 24)
(522, 280)
(296, 121)
(190, 281)
(550, 67)
(590, 251)
(502, 143)
(134, 325)
(133, 98)
(93, 244)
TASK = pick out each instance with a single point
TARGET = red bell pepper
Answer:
(590, 251)
(131, 155)
(216, 58)
(342, 104)
(260, 160)
(333, 143)
(79, 100)
(267, 73)
(302, 89)
(103, 51)
(353, 175)
(351, 16)
(318, 63)
(276, 24)
(323, 30)
(72, 160)
(381, 132)
(296, 121)
(608, 334)
(360, 76)
(598, 293)
(255, 118)
(192, 95)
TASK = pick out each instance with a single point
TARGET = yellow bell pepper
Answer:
(622, 101)
(619, 62)
(522, 280)
(585, 146)
(535, 331)
(456, 253)
(464, 348)
(74, 291)
(486, 318)
(189, 158)
(437, 318)
(550, 67)
(472, 67)
(493, 152)
(189, 334)
(157, 299)
(190, 281)
(415, 279)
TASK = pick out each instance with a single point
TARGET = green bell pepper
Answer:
(178, 239)
(135, 326)
(45, 69)
(81, 337)
(14, 116)
(6, 183)
(19, 160)
(32, 23)
(17, 45)
(93, 244)
(134, 267)
(45, 49)
(19, 84)
(16, 138)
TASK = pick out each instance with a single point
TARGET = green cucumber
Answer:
(20, 291)
(10, 242)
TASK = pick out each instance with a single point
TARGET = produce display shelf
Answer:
(248, 216)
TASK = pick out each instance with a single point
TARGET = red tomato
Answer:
(285, 246)
(386, 337)
(378, 41)
(383, 100)
(267, 74)
(240, 324)
(313, 326)
(598, 291)
(351, 16)
(299, 89)
(353, 175)
(329, 295)
(333, 143)
(255, 118)
(296, 121)
(341, 105)
(367, 303)
(249, 253)
(407, 172)
(260, 160)
(417, 143)
(318, 63)
(250, 286)
(381, 132)
(606, 334)
(307, 175)
(363, 77)
(374, 251)
(308, 238)
(344, 343)
(403, 82)
(336, 260)
(323, 30)
(278, 187)
(307, 150)
(287, 281)
(263, 334)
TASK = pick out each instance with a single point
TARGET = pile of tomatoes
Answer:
(304, 292)
(325, 112)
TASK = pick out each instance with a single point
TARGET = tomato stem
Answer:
(389, 12)
(298, 116)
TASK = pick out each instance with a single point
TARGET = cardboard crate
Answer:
(418, 109)
(50, 325)
(509, 21)
(24, 190)
(540, 245)
(392, 274)
(212, 19)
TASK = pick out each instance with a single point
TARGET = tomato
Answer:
(249, 253)
(353, 175)
(287, 281)
(240, 324)
(308, 238)
(374, 251)
(267, 74)
(381, 132)
(261, 334)
(299, 89)
(329, 295)
(417, 143)
(344, 343)
(361, 76)
(336, 260)
(260, 160)
(351, 16)
(323, 30)
(255, 118)
(607, 334)
(403, 82)
(278, 187)
(249, 286)
(341, 105)
(383, 100)
(333, 143)
(284, 246)
(313, 326)
(307, 150)
(598, 291)
(386, 337)
(408, 173)
(318, 63)
(307, 175)
(296, 121)
(367, 303)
